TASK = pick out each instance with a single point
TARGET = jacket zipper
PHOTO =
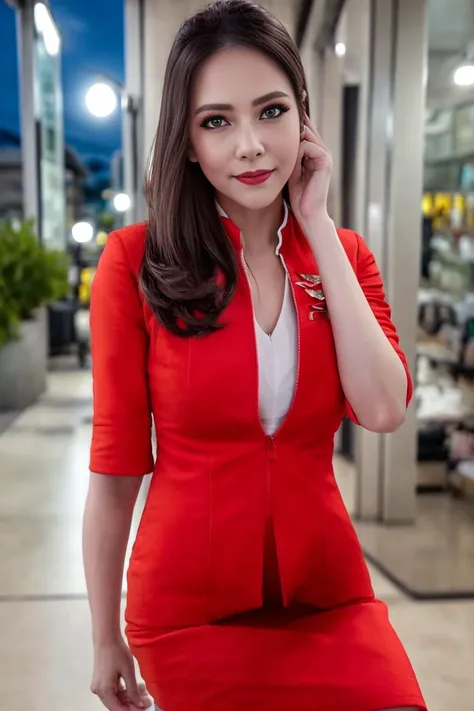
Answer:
(270, 439)
(298, 342)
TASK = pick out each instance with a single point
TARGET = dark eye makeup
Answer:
(271, 112)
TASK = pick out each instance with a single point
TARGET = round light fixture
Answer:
(340, 49)
(101, 100)
(464, 75)
(82, 232)
(122, 202)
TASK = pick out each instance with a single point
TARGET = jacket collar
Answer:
(235, 234)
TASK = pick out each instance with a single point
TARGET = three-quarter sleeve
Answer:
(370, 280)
(121, 437)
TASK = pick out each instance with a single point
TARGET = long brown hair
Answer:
(186, 246)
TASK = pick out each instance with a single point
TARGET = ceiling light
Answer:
(82, 232)
(122, 202)
(464, 75)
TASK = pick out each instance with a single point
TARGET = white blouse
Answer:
(277, 355)
(277, 365)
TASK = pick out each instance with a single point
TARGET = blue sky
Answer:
(92, 42)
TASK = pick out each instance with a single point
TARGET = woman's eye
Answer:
(272, 112)
(213, 122)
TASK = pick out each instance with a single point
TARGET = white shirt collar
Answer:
(222, 213)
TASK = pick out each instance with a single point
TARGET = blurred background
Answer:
(392, 94)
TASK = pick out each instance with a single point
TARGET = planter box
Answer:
(23, 365)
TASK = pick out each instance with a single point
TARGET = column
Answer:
(325, 79)
(330, 124)
(162, 19)
(386, 488)
(30, 149)
(133, 115)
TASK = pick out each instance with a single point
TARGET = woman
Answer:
(247, 325)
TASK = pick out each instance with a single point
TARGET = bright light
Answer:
(45, 26)
(464, 75)
(82, 232)
(101, 100)
(340, 49)
(122, 202)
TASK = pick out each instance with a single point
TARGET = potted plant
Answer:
(30, 277)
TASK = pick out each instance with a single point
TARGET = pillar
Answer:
(386, 481)
(30, 149)
(133, 114)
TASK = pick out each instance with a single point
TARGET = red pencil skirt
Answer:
(281, 659)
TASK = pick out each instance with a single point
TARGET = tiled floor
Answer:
(45, 650)
(433, 558)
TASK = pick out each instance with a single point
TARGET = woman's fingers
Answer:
(311, 129)
(136, 693)
(111, 699)
(127, 704)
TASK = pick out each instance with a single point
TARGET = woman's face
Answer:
(244, 120)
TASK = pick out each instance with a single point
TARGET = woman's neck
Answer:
(259, 228)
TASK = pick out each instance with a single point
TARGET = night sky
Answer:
(92, 42)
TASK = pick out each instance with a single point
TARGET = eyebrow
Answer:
(256, 102)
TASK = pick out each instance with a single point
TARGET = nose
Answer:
(249, 144)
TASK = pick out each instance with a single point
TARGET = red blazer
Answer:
(199, 553)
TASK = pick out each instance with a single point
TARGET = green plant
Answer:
(30, 276)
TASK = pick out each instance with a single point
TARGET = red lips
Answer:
(254, 177)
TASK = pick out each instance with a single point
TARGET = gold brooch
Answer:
(310, 278)
(310, 281)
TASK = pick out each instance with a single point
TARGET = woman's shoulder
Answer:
(130, 242)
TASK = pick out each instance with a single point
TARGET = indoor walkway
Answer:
(45, 650)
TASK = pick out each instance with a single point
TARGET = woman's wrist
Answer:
(107, 637)
(318, 227)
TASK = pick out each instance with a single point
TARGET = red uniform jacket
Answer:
(218, 478)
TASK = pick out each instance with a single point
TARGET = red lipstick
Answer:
(255, 177)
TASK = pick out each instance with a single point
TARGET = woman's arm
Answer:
(121, 450)
(375, 381)
(107, 521)
(373, 377)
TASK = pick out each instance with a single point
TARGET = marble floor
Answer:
(434, 558)
(45, 649)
